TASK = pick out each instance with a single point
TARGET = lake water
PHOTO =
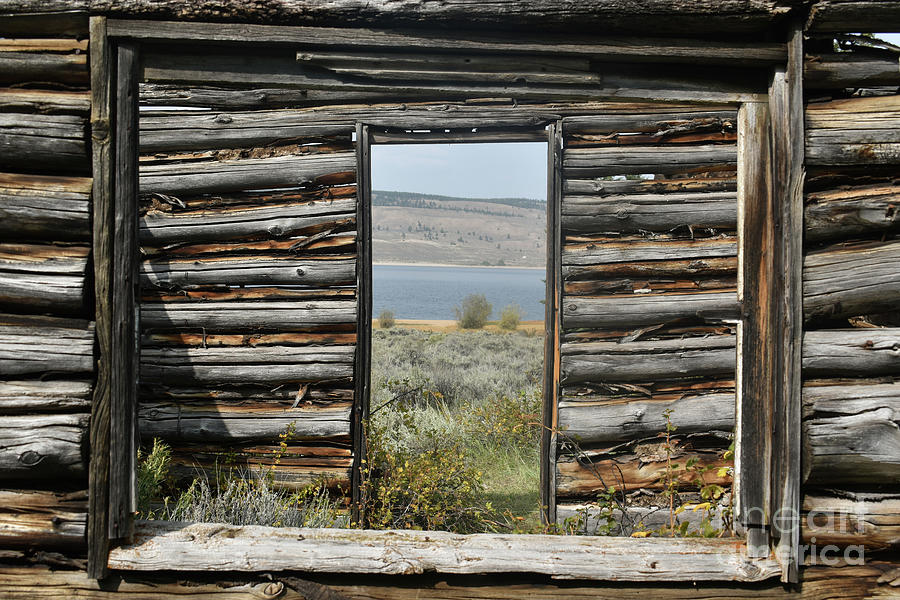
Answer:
(426, 292)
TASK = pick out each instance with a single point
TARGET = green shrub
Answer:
(474, 312)
(152, 472)
(386, 319)
(510, 317)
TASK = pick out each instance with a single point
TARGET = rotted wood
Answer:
(649, 212)
(40, 207)
(43, 278)
(854, 15)
(846, 280)
(249, 548)
(846, 518)
(585, 252)
(43, 519)
(851, 352)
(851, 434)
(579, 163)
(236, 294)
(246, 223)
(226, 176)
(864, 131)
(662, 124)
(657, 271)
(602, 420)
(683, 283)
(43, 447)
(599, 362)
(45, 345)
(317, 239)
(271, 365)
(648, 309)
(29, 65)
(831, 71)
(247, 270)
(850, 212)
(252, 397)
(256, 316)
(45, 101)
(31, 396)
(30, 139)
(601, 186)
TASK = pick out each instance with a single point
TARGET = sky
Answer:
(496, 170)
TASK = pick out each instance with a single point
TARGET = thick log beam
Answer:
(856, 131)
(43, 345)
(46, 447)
(602, 252)
(605, 187)
(247, 270)
(845, 518)
(239, 316)
(649, 212)
(842, 16)
(851, 352)
(850, 71)
(48, 208)
(648, 309)
(50, 102)
(43, 278)
(30, 139)
(44, 396)
(579, 163)
(39, 520)
(21, 66)
(851, 212)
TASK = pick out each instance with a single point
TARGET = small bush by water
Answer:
(475, 312)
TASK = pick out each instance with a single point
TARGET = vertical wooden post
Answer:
(363, 363)
(102, 211)
(125, 350)
(786, 109)
(552, 302)
(756, 332)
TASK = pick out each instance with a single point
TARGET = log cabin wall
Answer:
(46, 294)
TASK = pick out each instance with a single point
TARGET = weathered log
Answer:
(649, 212)
(600, 162)
(844, 518)
(648, 309)
(662, 124)
(655, 270)
(606, 187)
(222, 423)
(33, 519)
(853, 279)
(250, 174)
(43, 278)
(642, 250)
(248, 270)
(837, 71)
(226, 294)
(316, 239)
(605, 420)
(237, 316)
(863, 131)
(45, 101)
(847, 213)
(852, 434)
(158, 227)
(842, 16)
(183, 338)
(44, 396)
(29, 139)
(250, 548)
(682, 284)
(39, 207)
(250, 397)
(600, 362)
(851, 352)
(31, 345)
(270, 365)
(45, 447)
(43, 67)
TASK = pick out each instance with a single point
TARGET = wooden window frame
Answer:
(768, 408)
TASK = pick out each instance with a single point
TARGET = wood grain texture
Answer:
(844, 518)
(173, 274)
(851, 211)
(851, 352)
(41, 519)
(18, 67)
(35, 396)
(649, 212)
(32, 346)
(581, 163)
(853, 15)
(49, 102)
(648, 309)
(39, 207)
(242, 316)
(858, 131)
(43, 277)
(43, 448)
(57, 140)
(637, 251)
(830, 71)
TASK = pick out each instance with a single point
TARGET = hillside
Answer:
(426, 228)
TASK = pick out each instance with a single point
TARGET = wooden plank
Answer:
(362, 366)
(101, 236)
(831, 71)
(846, 518)
(45, 101)
(39, 207)
(851, 211)
(43, 447)
(31, 346)
(38, 519)
(163, 546)
(649, 212)
(251, 174)
(854, 131)
(648, 309)
(172, 274)
(626, 160)
(237, 316)
(43, 278)
(851, 352)
(33, 396)
(54, 140)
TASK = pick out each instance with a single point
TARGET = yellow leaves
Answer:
(640, 534)
(723, 471)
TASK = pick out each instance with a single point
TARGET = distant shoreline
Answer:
(409, 264)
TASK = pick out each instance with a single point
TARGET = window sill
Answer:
(162, 545)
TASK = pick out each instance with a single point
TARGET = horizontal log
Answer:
(603, 186)
(33, 519)
(49, 45)
(40, 345)
(271, 365)
(58, 141)
(836, 71)
(851, 434)
(642, 250)
(863, 131)
(579, 163)
(599, 362)
(161, 546)
(40, 207)
(851, 352)
(250, 397)
(851, 212)
(317, 238)
(158, 227)
(853, 15)
(223, 424)
(648, 309)
(649, 212)
(45, 447)
(43, 278)
(602, 287)
(243, 339)
(846, 518)
(603, 420)
(44, 396)
(237, 316)
(853, 279)
(49, 102)
(656, 271)
(226, 294)
(235, 175)
(43, 67)
(247, 270)
(661, 124)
